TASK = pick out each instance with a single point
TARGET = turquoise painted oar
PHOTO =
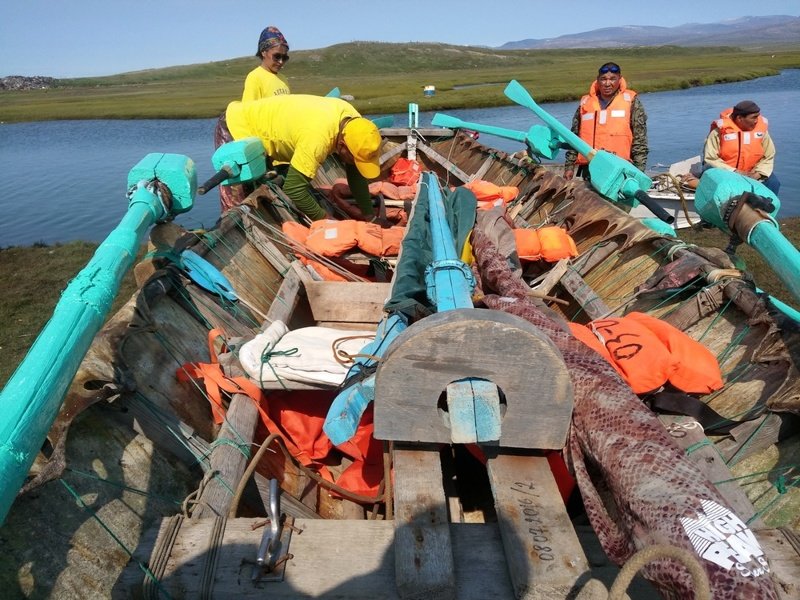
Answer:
(334, 93)
(722, 200)
(382, 122)
(538, 138)
(612, 177)
(30, 401)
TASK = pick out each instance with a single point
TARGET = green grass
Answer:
(35, 276)
(384, 77)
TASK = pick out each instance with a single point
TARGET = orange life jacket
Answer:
(740, 149)
(607, 129)
(490, 195)
(373, 239)
(547, 243)
(299, 233)
(298, 416)
(330, 237)
(648, 352)
(405, 172)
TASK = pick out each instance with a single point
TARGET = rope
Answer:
(345, 358)
(139, 563)
(644, 556)
(267, 354)
(331, 487)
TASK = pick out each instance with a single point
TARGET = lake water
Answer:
(66, 180)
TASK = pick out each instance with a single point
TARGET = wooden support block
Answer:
(467, 343)
(689, 435)
(544, 557)
(423, 553)
(584, 295)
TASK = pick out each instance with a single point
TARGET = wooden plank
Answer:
(544, 556)
(331, 559)
(228, 462)
(266, 247)
(584, 295)
(423, 552)
(473, 406)
(782, 548)
(688, 434)
(483, 168)
(552, 277)
(765, 431)
(447, 164)
(288, 296)
(435, 132)
(347, 301)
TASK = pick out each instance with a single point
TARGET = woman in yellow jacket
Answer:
(264, 81)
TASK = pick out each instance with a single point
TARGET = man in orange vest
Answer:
(610, 117)
(739, 141)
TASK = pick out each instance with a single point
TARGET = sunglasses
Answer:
(609, 69)
(280, 57)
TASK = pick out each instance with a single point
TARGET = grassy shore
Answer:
(384, 77)
(35, 276)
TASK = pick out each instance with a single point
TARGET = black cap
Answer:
(745, 107)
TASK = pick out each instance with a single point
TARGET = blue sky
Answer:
(74, 38)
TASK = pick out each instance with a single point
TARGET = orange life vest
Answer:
(330, 237)
(740, 149)
(547, 243)
(490, 195)
(648, 352)
(405, 172)
(607, 128)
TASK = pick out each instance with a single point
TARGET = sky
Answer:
(77, 38)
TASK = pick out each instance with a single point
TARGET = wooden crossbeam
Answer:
(544, 556)
(422, 548)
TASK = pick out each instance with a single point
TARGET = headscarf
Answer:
(270, 36)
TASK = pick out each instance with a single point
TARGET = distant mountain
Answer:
(743, 31)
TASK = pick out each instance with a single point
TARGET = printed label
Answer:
(719, 536)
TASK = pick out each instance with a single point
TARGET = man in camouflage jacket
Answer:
(593, 125)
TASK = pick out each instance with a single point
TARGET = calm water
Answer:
(66, 180)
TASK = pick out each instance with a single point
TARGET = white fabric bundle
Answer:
(305, 355)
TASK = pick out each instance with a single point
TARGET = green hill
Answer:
(384, 77)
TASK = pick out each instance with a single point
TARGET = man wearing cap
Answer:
(610, 117)
(264, 81)
(303, 131)
(739, 141)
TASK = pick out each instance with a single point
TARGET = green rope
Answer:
(139, 563)
(244, 448)
(157, 413)
(698, 445)
(769, 504)
(734, 459)
(725, 354)
(716, 318)
(122, 486)
(266, 355)
(749, 475)
(623, 274)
